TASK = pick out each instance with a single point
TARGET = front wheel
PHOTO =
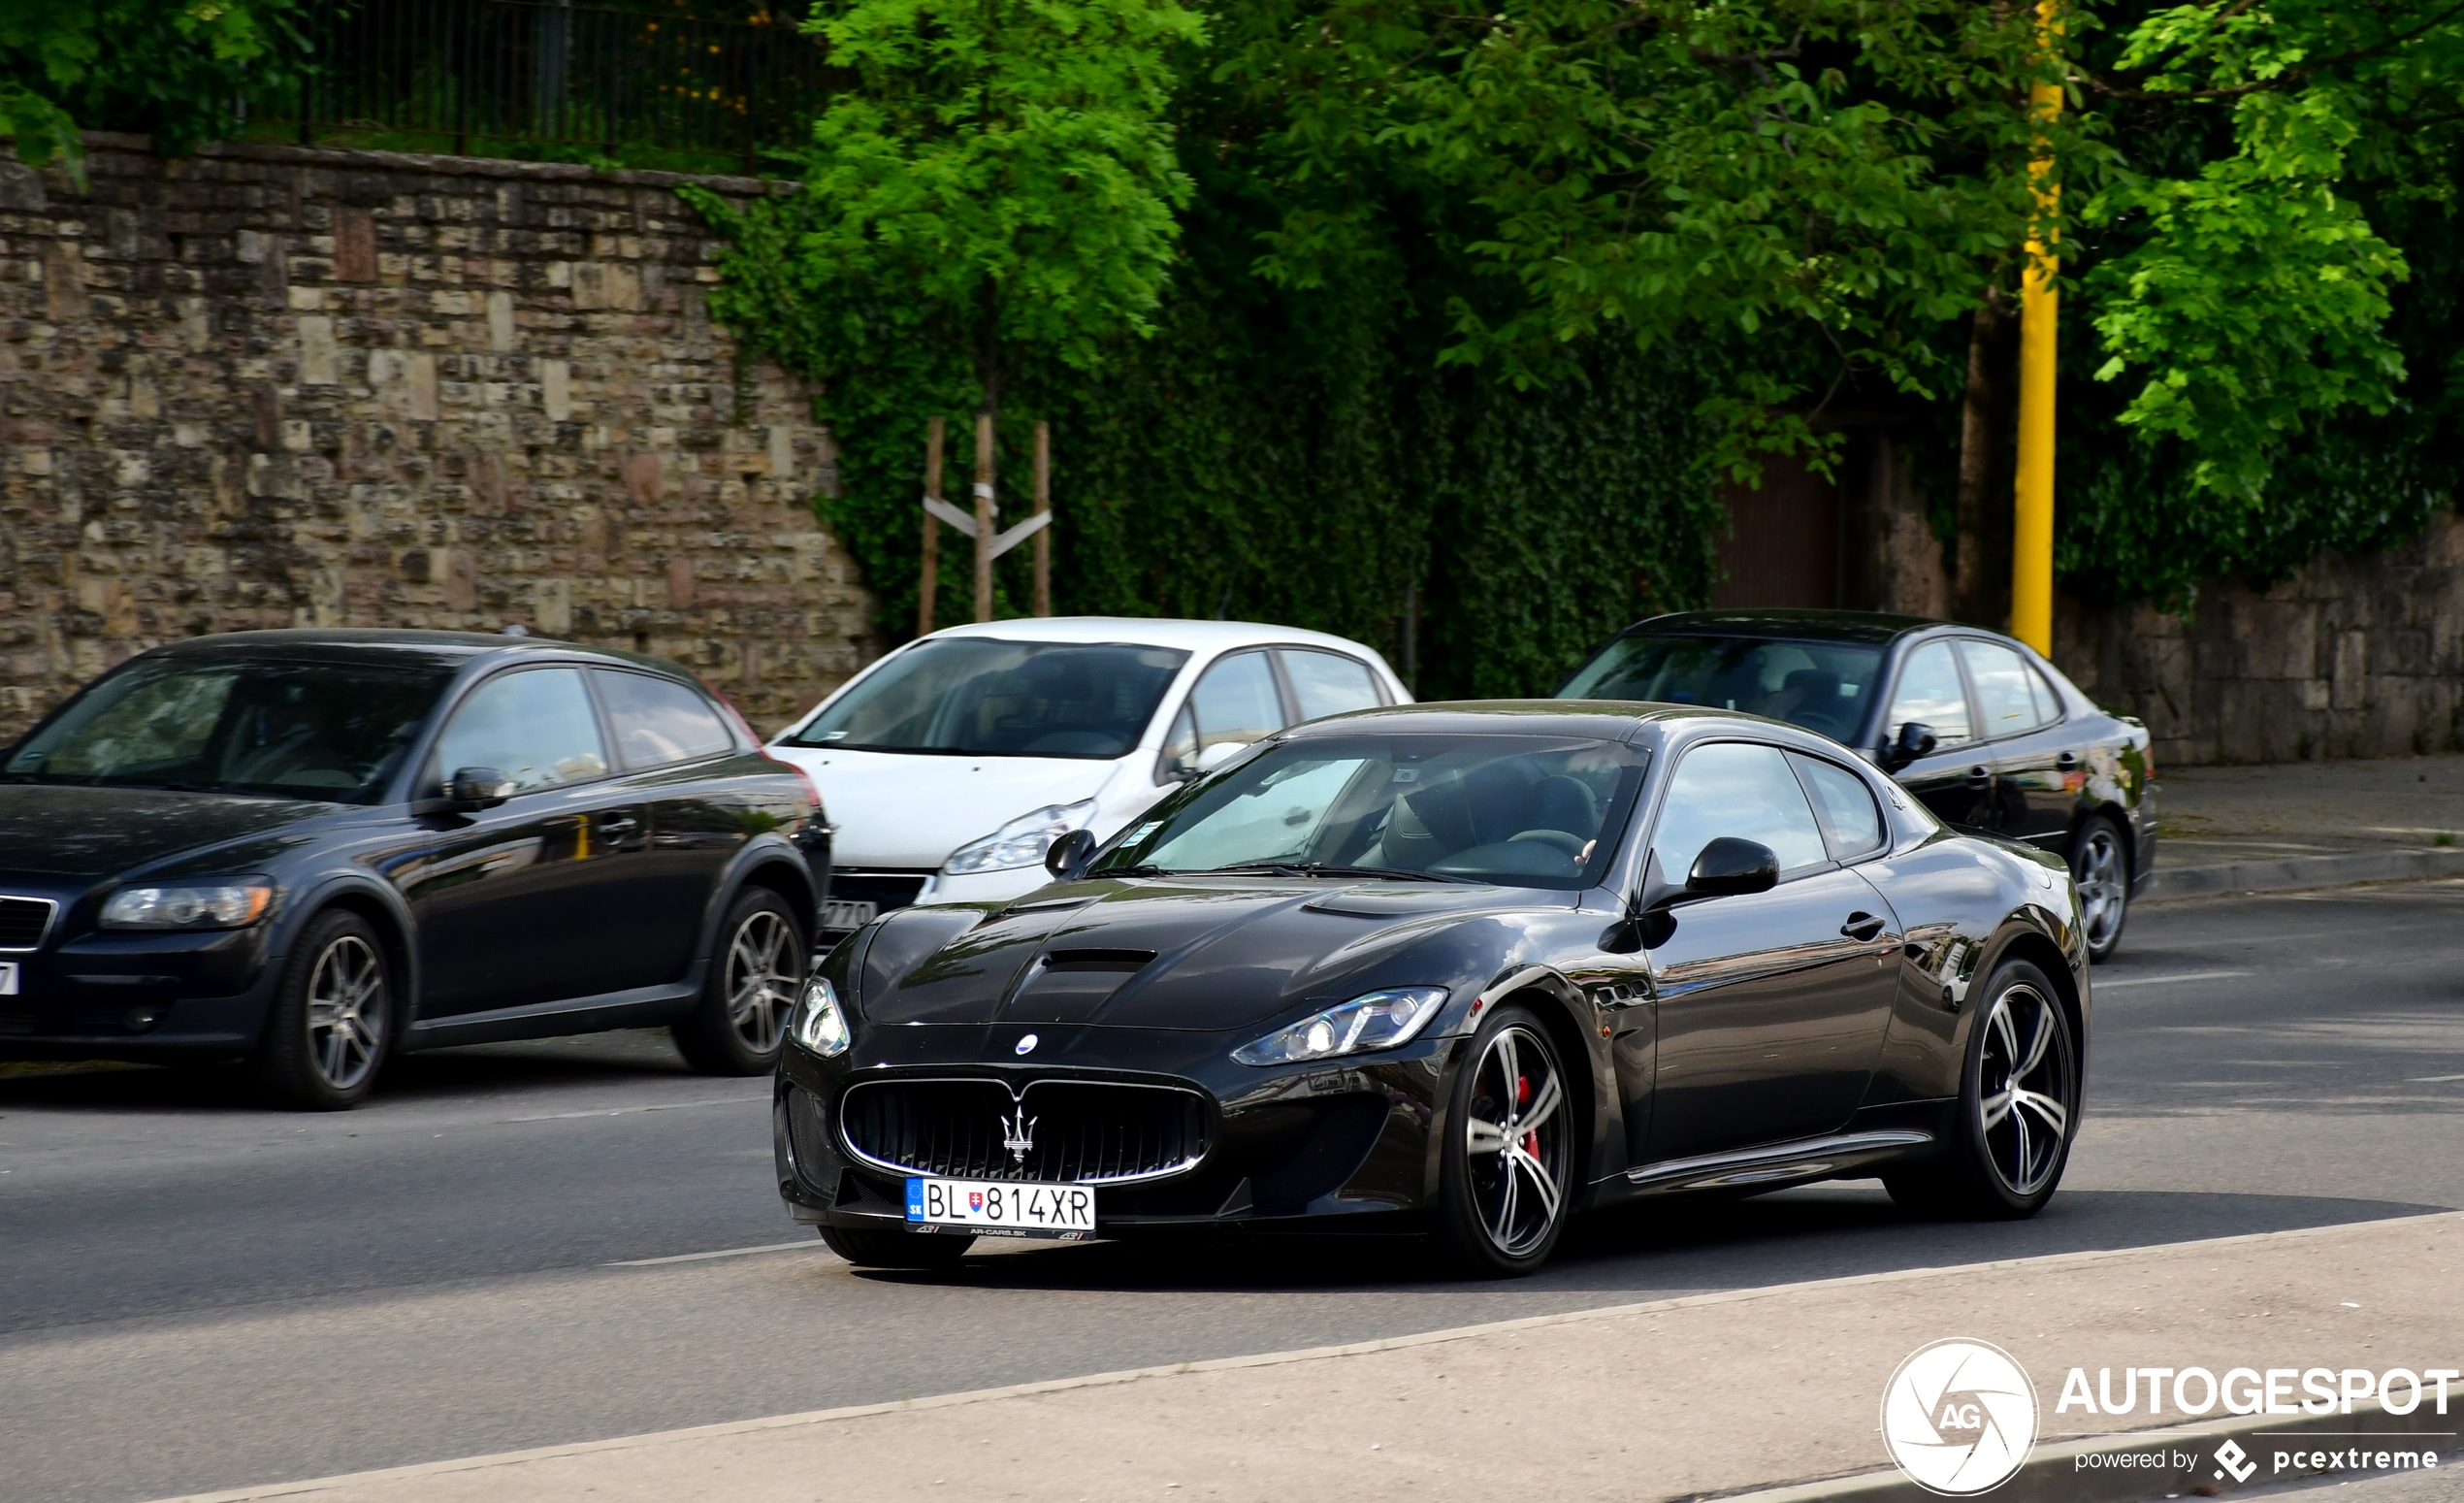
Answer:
(2018, 1111)
(921, 1251)
(331, 1023)
(2100, 866)
(1504, 1181)
(736, 1026)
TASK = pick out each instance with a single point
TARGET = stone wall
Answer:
(2350, 657)
(271, 386)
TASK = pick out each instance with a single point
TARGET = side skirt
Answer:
(636, 1007)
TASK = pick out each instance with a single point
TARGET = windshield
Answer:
(1518, 810)
(1822, 686)
(980, 697)
(327, 730)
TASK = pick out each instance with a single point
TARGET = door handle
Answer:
(619, 824)
(1863, 928)
(1979, 777)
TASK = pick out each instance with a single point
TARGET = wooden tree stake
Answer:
(931, 583)
(985, 512)
(1043, 508)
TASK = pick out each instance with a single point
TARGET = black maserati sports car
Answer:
(1467, 968)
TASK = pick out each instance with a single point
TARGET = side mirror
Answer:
(478, 787)
(1915, 739)
(1218, 754)
(1068, 855)
(1731, 868)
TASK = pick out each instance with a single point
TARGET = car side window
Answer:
(535, 726)
(1930, 693)
(2007, 690)
(1234, 704)
(1851, 821)
(1736, 789)
(1328, 683)
(657, 721)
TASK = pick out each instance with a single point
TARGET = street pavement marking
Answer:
(627, 1111)
(2432, 1080)
(2148, 981)
(1258, 1360)
(725, 1252)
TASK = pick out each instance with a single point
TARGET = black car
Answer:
(1986, 732)
(1471, 968)
(316, 848)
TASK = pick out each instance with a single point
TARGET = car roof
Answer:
(1846, 626)
(1607, 719)
(362, 644)
(1197, 637)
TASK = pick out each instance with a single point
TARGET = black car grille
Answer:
(22, 922)
(1082, 1132)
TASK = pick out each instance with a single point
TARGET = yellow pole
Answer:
(2032, 526)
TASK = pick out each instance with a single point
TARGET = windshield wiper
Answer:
(1320, 869)
(1144, 871)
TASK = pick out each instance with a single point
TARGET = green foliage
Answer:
(172, 68)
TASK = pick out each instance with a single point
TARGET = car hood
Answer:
(49, 829)
(1182, 954)
(898, 809)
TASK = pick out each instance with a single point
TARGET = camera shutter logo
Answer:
(1959, 1417)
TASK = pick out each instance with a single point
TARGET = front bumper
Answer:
(1344, 1142)
(134, 995)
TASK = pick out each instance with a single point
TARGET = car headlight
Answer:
(821, 1025)
(219, 905)
(1379, 1020)
(1022, 841)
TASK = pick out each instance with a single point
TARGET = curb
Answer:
(2167, 884)
(2053, 1474)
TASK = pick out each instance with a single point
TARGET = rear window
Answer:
(659, 720)
(982, 697)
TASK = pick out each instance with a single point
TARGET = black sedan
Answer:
(1990, 734)
(1469, 968)
(315, 849)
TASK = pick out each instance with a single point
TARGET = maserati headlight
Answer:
(219, 905)
(1022, 842)
(821, 1025)
(1379, 1020)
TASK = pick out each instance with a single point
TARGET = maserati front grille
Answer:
(1053, 1131)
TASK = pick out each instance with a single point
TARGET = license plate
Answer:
(8, 979)
(1000, 1208)
(836, 914)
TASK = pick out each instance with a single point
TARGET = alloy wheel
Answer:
(1514, 1140)
(760, 980)
(2103, 890)
(346, 1011)
(2024, 1088)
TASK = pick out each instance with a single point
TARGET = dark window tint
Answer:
(1822, 686)
(329, 731)
(659, 720)
(1851, 820)
(1328, 683)
(536, 727)
(988, 698)
(1930, 693)
(2006, 688)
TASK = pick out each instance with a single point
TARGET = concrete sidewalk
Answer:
(1677, 1399)
(2309, 824)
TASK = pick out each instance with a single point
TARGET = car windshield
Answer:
(981, 697)
(1822, 686)
(329, 731)
(1518, 811)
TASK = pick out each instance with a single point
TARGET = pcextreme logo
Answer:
(1959, 1417)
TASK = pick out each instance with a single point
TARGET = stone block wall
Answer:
(2350, 657)
(269, 386)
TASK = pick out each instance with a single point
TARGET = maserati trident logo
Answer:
(1017, 1136)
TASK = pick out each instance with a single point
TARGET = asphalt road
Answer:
(195, 1293)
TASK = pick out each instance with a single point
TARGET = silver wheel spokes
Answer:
(2102, 889)
(346, 1011)
(1514, 1140)
(760, 980)
(2024, 1092)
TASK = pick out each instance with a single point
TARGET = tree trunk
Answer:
(1981, 587)
(987, 416)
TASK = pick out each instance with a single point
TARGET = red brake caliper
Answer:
(1523, 1099)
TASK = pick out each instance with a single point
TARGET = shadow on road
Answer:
(1664, 1247)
